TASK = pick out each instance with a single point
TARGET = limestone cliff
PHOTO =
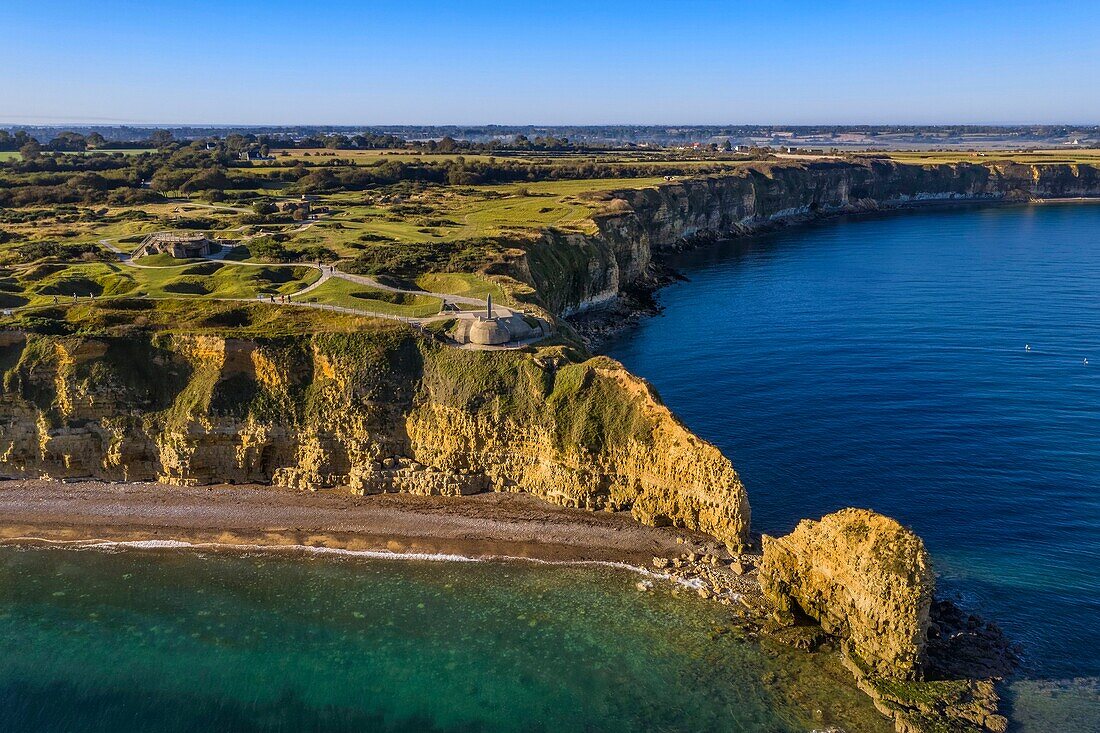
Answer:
(572, 271)
(864, 578)
(388, 410)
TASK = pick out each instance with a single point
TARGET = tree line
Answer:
(214, 171)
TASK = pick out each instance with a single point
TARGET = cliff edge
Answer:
(385, 411)
(573, 272)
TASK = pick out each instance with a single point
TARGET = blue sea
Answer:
(941, 367)
(867, 362)
(182, 641)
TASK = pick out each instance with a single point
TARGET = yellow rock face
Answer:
(863, 577)
(392, 413)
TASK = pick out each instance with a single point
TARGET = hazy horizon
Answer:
(342, 63)
(77, 122)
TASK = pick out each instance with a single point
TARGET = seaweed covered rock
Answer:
(864, 578)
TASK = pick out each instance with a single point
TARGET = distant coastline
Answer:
(693, 214)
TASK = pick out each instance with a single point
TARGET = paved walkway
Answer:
(328, 272)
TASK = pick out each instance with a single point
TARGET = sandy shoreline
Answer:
(485, 525)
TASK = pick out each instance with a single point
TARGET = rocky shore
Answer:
(961, 656)
(467, 440)
(861, 584)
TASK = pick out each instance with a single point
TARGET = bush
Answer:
(402, 260)
(371, 237)
(267, 249)
(45, 325)
(264, 207)
(194, 222)
(234, 318)
(34, 251)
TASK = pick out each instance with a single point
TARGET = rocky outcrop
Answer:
(955, 705)
(864, 578)
(573, 271)
(867, 580)
(382, 411)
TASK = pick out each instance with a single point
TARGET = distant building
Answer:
(255, 156)
(181, 245)
(305, 207)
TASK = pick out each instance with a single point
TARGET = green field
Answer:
(47, 283)
(197, 316)
(439, 223)
(468, 213)
(1067, 156)
(163, 260)
(355, 220)
(347, 294)
(125, 226)
(460, 283)
(6, 155)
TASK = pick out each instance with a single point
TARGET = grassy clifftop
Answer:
(379, 409)
(198, 390)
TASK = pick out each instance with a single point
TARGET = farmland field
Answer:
(437, 222)
(1068, 156)
(6, 155)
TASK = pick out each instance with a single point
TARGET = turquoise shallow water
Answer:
(882, 363)
(177, 640)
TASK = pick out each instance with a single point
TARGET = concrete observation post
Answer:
(489, 329)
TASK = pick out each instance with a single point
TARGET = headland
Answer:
(133, 369)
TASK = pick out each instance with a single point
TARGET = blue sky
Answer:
(565, 62)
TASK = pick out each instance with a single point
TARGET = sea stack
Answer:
(864, 577)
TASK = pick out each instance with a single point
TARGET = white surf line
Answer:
(102, 544)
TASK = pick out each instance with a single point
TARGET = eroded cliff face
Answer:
(864, 578)
(389, 411)
(575, 271)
